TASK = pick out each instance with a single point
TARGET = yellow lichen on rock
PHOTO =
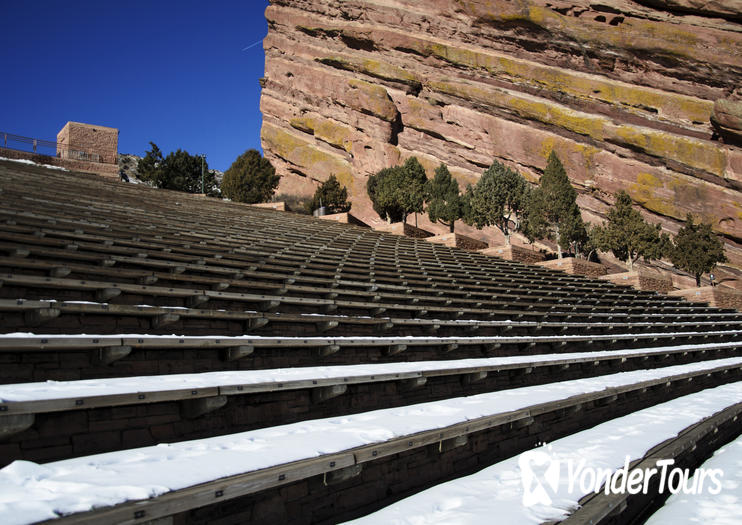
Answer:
(313, 161)
(526, 106)
(371, 99)
(636, 99)
(674, 196)
(631, 33)
(696, 153)
(647, 190)
(334, 133)
(372, 67)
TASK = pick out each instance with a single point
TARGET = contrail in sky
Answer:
(253, 45)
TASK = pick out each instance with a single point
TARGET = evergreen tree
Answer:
(413, 189)
(181, 171)
(553, 212)
(148, 165)
(381, 189)
(396, 192)
(573, 232)
(628, 235)
(445, 203)
(696, 249)
(251, 179)
(532, 223)
(497, 199)
(331, 195)
(178, 171)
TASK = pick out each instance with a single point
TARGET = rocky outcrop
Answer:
(727, 118)
(731, 9)
(624, 92)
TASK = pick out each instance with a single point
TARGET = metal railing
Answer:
(52, 149)
(31, 145)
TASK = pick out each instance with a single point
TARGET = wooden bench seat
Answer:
(179, 268)
(26, 398)
(99, 290)
(224, 261)
(40, 357)
(205, 253)
(688, 449)
(261, 471)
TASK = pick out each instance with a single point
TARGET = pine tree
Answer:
(532, 223)
(573, 234)
(696, 249)
(381, 189)
(148, 165)
(553, 211)
(181, 171)
(251, 179)
(413, 187)
(396, 192)
(628, 235)
(178, 171)
(444, 201)
(331, 195)
(497, 199)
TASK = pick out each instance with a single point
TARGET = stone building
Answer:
(79, 147)
(78, 141)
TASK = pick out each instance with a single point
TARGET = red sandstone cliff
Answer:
(623, 90)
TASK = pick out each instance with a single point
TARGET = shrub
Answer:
(251, 179)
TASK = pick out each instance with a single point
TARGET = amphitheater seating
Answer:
(673, 431)
(132, 316)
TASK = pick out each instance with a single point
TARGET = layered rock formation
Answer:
(624, 92)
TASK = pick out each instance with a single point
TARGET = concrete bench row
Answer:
(724, 506)
(248, 465)
(349, 295)
(416, 266)
(417, 280)
(684, 431)
(41, 287)
(81, 255)
(385, 339)
(153, 407)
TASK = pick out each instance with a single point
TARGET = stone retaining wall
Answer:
(514, 253)
(575, 266)
(345, 218)
(456, 240)
(719, 296)
(642, 280)
(402, 228)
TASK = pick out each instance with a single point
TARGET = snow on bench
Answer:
(30, 341)
(498, 490)
(722, 509)
(51, 396)
(273, 455)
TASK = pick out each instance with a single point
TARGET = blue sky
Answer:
(175, 73)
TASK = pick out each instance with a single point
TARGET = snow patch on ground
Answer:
(26, 161)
